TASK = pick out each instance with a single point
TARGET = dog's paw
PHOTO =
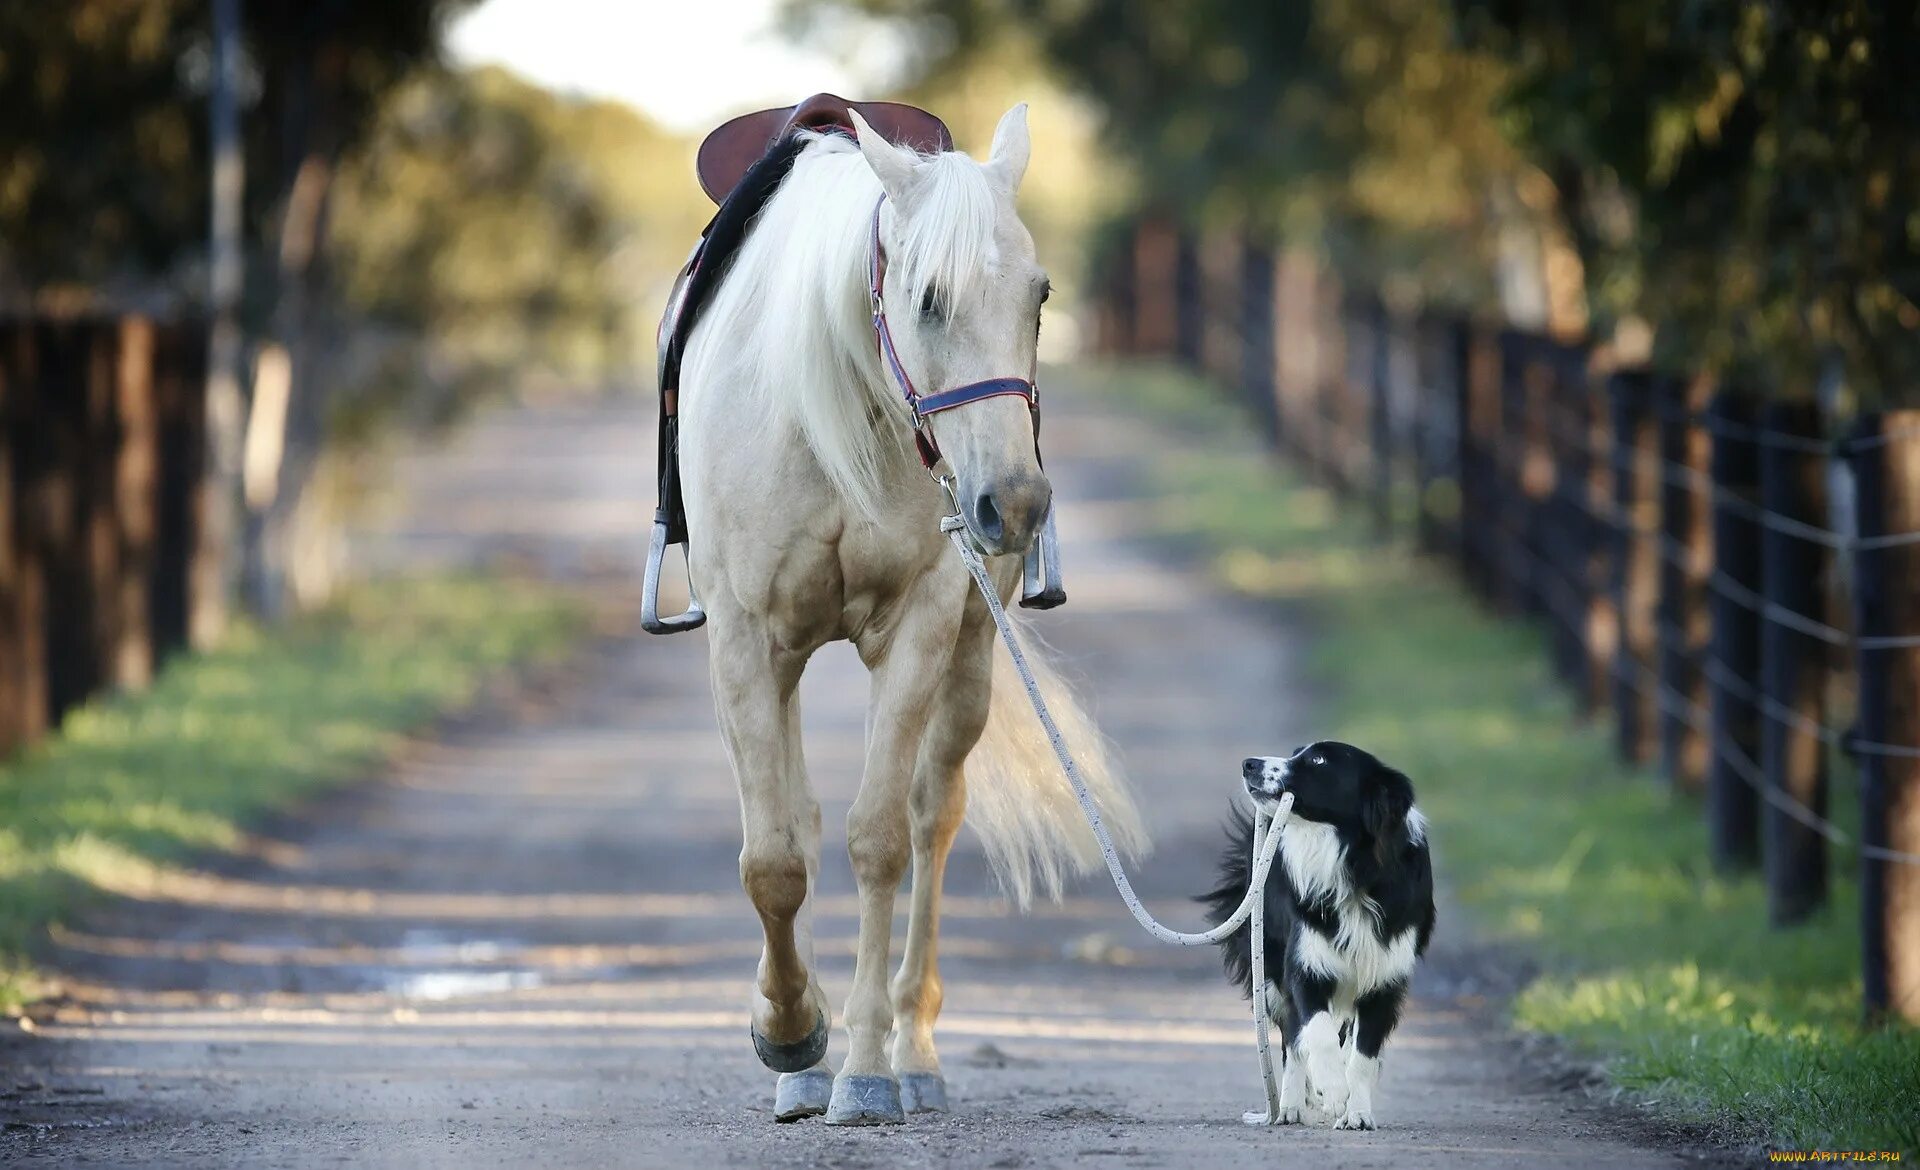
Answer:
(1355, 1119)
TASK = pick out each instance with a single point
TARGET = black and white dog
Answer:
(1349, 911)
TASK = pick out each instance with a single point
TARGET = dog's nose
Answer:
(1250, 767)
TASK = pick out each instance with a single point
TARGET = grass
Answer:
(138, 780)
(1651, 964)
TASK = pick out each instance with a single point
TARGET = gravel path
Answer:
(526, 944)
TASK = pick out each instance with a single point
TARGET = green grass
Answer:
(1662, 971)
(134, 781)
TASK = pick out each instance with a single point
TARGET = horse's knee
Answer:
(878, 853)
(775, 880)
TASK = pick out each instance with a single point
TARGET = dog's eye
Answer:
(1318, 758)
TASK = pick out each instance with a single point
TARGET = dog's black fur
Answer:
(1335, 907)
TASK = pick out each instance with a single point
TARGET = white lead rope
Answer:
(1266, 830)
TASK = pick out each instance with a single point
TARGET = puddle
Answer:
(443, 985)
(429, 968)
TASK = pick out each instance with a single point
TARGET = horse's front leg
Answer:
(754, 690)
(908, 670)
(935, 810)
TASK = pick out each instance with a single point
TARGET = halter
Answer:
(922, 405)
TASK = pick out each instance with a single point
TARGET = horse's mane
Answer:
(788, 332)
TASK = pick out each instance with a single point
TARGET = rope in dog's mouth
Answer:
(1266, 831)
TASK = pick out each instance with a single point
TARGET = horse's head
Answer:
(963, 291)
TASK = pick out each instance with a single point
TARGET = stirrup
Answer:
(1040, 586)
(650, 619)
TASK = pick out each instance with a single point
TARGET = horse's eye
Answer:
(930, 303)
(1045, 292)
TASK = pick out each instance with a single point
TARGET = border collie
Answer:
(1349, 911)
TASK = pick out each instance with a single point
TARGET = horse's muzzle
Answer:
(1005, 518)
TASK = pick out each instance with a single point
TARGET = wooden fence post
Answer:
(1569, 532)
(136, 478)
(1222, 335)
(1456, 357)
(1118, 272)
(1329, 452)
(1257, 321)
(180, 385)
(1379, 374)
(23, 625)
(1480, 510)
(1885, 453)
(1513, 574)
(1684, 565)
(1156, 283)
(1636, 561)
(1189, 327)
(1733, 807)
(1793, 662)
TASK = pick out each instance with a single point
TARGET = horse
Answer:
(869, 271)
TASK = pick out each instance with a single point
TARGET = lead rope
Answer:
(1266, 831)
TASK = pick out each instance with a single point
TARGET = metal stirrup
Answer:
(650, 620)
(1040, 584)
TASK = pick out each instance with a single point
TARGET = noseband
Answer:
(923, 405)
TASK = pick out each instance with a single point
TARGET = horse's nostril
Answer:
(987, 520)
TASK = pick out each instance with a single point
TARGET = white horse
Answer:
(812, 521)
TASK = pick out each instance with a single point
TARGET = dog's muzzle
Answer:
(1266, 776)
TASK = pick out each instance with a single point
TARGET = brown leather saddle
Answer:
(727, 153)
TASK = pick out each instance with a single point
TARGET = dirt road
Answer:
(527, 944)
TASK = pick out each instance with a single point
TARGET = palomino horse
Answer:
(812, 521)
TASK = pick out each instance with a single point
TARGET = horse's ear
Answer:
(892, 165)
(1011, 147)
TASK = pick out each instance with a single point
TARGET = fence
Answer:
(100, 456)
(1736, 582)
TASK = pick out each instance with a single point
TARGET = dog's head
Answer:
(1336, 784)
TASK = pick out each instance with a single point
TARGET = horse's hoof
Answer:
(802, 1094)
(796, 1057)
(865, 1100)
(922, 1092)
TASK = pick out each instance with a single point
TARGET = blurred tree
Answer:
(103, 186)
(1361, 127)
(1745, 174)
(502, 227)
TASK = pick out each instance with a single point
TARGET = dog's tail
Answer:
(1018, 800)
(1236, 874)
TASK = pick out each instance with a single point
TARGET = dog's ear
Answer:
(1389, 798)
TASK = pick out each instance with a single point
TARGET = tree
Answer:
(1743, 174)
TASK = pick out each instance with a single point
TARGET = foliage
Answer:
(1766, 160)
(511, 228)
(103, 153)
(140, 780)
(1671, 977)
(1363, 126)
(1744, 175)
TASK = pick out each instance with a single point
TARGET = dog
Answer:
(1349, 911)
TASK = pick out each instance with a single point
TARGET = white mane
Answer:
(789, 331)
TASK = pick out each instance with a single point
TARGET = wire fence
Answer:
(1734, 583)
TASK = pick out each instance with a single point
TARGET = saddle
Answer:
(728, 152)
